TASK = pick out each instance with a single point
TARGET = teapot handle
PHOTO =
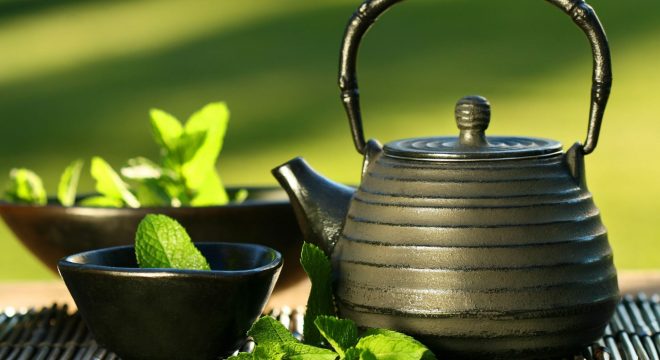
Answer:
(581, 13)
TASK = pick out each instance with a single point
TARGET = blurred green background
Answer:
(77, 79)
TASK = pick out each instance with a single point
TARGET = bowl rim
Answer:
(66, 264)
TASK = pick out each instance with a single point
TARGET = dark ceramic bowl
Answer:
(169, 313)
(52, 232)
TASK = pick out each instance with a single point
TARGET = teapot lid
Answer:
(472, 117)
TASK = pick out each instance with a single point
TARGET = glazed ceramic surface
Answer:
(167, 313)
(52, 232)
(480, 246)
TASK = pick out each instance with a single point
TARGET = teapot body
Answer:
(505, 258)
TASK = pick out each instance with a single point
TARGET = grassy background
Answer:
(78, 77)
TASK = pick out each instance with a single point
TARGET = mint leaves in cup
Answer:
(161, 242)
(184, 176)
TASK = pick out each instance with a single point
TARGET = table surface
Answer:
(44, 293)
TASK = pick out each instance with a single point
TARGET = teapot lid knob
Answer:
(472, 117)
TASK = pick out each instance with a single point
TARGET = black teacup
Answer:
(171, 313)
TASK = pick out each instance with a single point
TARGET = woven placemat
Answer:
(55, 333)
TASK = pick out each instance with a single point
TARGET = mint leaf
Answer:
(359, 354)
(161, 242)
(241, 195)
(298, 351)
(66, 190)
(141, 168)
(101, 201)
(394, 347)
(190, 144)
(267, 330)
(341, 334)
(211, 191)
(150, 193)
(274, 341)
(271, 352)
(108, 183)
(173, 141)
(320, 302)
(25, 187)
(166, 130)
(211, 119)
(399, 337)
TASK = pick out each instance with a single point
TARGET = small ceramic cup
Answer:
(171, 313)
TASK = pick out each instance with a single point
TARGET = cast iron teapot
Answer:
(481, 247)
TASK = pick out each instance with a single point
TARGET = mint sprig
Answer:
(274, 341)
(190, 151)
(184, 176)
(161, 242)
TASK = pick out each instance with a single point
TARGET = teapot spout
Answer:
(320, 205)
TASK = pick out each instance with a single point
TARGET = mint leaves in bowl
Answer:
(169, 313)
(184, 175)
(182, 184)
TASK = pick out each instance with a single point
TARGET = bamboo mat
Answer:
(55, 333)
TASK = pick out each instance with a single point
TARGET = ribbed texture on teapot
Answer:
(517, 244)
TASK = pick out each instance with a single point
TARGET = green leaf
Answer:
(270, 352)
(267, 330)
(154, 185)
(101, 201)
(211, 192)
(161, 242)
(298, 351)
(399, 337)
(140, 168)
(25, 187)
(341, 334)
(241, 195)
(320, 302)
(190, 144)
(274, 341)
(66, 190)
(108, 183)
(212, 119)
(241, 356)
(150, 193)
(359, 354)
(166, 130)
(388, 347)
